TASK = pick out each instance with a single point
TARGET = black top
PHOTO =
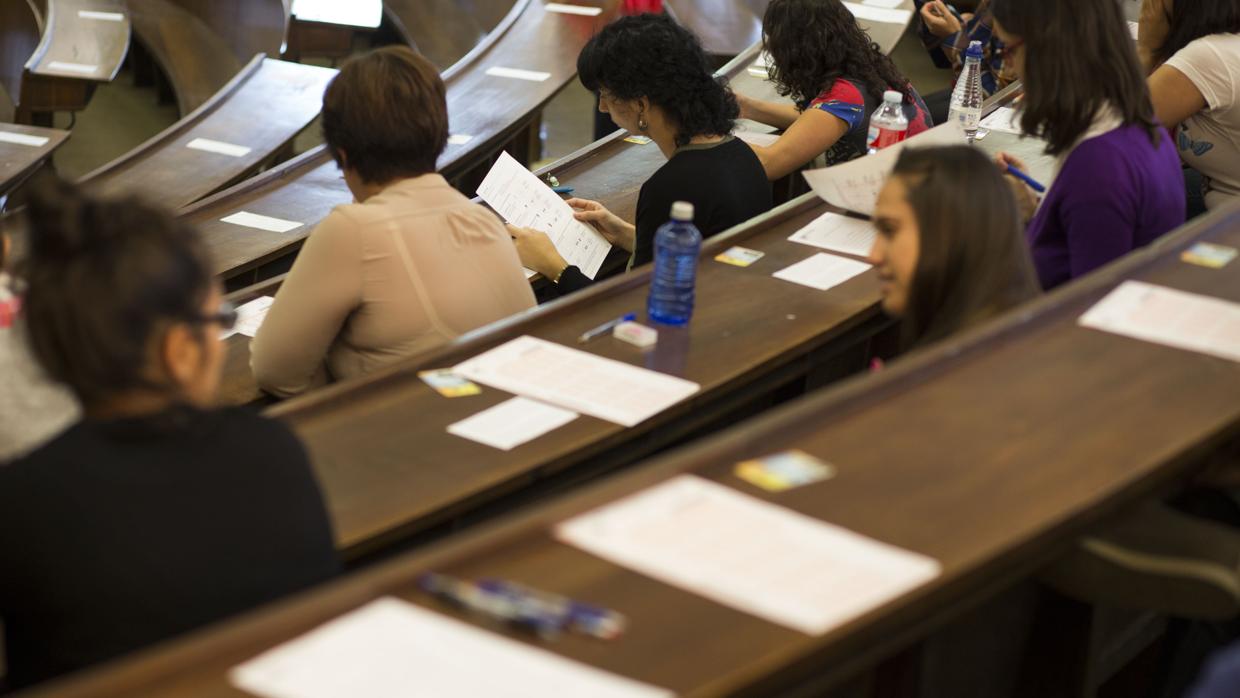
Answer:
(119, 534)
(724, 181)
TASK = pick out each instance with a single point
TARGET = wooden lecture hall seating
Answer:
(23, 149)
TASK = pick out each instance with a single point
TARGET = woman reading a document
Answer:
(411, 265)
(652, 76)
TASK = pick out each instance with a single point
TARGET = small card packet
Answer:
(638, 140)
(1208, 255)
(784, 471)
(739, 256)
(449, 384)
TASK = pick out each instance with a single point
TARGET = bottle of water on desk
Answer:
(966, 105)
(888, 125)
(676, 247)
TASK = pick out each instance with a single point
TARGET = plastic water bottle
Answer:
(676, 247)
(888, 125)
(967, 97)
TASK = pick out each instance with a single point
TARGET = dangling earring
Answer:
(641, 123)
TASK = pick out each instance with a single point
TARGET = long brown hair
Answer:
(974, 262)
(1079, 57)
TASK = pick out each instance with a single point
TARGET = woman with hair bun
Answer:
(155, 513)
(652, 76)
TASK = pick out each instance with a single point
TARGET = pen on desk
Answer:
(562, 190)
(1026, 179)
(604, 328)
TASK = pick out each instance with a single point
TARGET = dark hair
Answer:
(813, 43)
(1079, 57)
(973, 262)
(651, 56)
(1193, 19)
(102, 277)
(387, 111)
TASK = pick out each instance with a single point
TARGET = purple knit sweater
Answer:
(1115, 193)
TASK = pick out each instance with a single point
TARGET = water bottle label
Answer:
(968, 118)
(882, 137)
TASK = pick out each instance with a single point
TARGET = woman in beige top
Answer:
(409, 266)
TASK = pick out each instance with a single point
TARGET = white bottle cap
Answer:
(682, 211)
(893, 96)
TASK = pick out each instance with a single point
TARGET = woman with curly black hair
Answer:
(835, 75)
(652, 76)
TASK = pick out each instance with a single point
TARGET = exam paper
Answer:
(854, 185)
(511, 423)
(878, 13)
(250, 317)
(390, 648)
(750, 554)
(822, 271)
(889, 4)
(577, 380)
(1166, 316)
(1002, 119)
(260, 222)
(526, 202)
(831, 231)
(754, 138)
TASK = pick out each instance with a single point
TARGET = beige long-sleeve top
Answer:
(411, 268)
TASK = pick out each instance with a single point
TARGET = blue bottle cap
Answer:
(974, 51)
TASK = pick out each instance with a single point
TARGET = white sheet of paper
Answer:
(79, 68)
(218, 147)
(577, 380)
(254, 220)
(583, 10)
(518, 74)
(391, 648)
(512, 423)
(459, 139)
(1134, 28)
(831, 231)
(1002, 119)
(250, 317)
(102, 16)
(749, 554)
(854, 185)
(822, 271)
(23, 139)
(881, 14)
(354, 13)
(526, 202)
(754, 138)
(888, 4)
(1170, 317)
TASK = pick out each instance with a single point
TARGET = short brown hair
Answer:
(387, 112)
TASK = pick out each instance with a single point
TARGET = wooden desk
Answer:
(327, 28)
(20, 156)
(261, 109)
(444, 30)
(307, 188)
(201, 45)
(989, 453)
(725, 27)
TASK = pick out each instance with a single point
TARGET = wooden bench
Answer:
(200, 45)
(726, 27)
(439, 29)
(23, 149)
(985, 453)
(328, 28)
(253, 117)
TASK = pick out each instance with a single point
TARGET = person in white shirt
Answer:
(1196, 92)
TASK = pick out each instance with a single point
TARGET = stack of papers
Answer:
(393, 649)
(577, 380)
(749, 554)
(1173, 318)
(524, 201)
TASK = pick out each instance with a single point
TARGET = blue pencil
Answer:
(1026, 179)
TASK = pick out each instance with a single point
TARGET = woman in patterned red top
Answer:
(836, 76)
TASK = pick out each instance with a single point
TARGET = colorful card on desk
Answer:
(638, 140)
(784, 471)
(448, 383)
(1204, 254)
(739, 256)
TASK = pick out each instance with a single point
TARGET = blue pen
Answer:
(1026, 179)
(562, 190)
(604, 328)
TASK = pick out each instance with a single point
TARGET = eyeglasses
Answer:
(1006, 51)
(225, 317)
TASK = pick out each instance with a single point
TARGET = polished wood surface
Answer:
(82, 33)
(262, 109)
(196, 60)
(725, 27)
(247, 26)
(21, 27)
(445, 30)
(989, 452)
(17, 162)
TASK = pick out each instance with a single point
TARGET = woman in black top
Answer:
(155, 513)
(652, 76)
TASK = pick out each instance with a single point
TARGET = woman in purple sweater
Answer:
(1119, 185)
